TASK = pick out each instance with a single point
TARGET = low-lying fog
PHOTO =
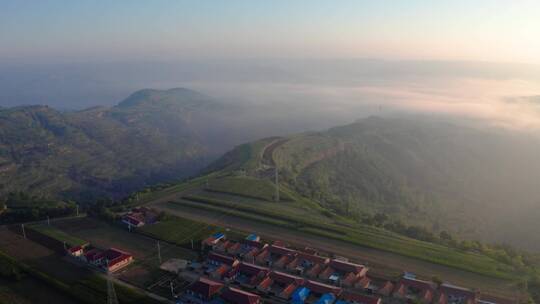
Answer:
(297, 95)
(279, 97)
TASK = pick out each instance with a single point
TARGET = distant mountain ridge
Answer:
(149, 137)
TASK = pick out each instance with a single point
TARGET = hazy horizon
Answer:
(472, 60)
(71, 31)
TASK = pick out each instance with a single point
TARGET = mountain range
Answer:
(467, 179)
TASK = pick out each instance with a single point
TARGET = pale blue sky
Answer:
(168, 30)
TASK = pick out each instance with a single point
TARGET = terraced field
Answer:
(380, 261)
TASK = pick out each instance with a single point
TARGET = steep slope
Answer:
(151, 136)
(466, 180)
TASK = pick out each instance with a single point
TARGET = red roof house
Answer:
(449, 294)
(409, 288)
(219, 259)
(133, 219)
(76, 251)
(237, 296)
(341, 271)
(116, 259)
(204, 289)
(94, 256)
(249, 275)
(356, 298)
(346, 267)
(320, 288)
(280, 284)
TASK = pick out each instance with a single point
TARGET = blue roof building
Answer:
(300, 295)
(218, 235)
(253, 237)
(327, 298)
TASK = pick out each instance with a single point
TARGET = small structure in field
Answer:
(109, 260)
(138, 217)
(76, 251)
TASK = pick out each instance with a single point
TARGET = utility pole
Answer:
(48, 221)
(191, 244)
(172, 288)
(277, 183)
(159, 252)
(77, 208)
(23, 232)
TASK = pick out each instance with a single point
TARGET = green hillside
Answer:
(151, 136)
(436, 175)
(415, 189)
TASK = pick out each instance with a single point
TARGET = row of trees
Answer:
(20, 207)
(504, 253)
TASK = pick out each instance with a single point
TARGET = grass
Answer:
(178, 230)
(105, 235)
(246, 187)
(87, 289)
(57, 234)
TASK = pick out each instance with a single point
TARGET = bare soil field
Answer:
(38, 256)
(17, 293)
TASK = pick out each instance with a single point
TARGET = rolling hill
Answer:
(466, 180)
(151, 136)
(375, 187)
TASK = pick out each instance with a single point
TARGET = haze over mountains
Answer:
(454, 145)
(468, 180)
(152, 136)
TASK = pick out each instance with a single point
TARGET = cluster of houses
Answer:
(140, 216)
(109, 260)
(302, 276)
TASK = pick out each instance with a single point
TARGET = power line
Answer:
(111, 293)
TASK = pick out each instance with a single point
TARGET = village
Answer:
(250, 271)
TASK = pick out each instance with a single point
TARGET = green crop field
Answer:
(365, 236)
(178, 230)
(248, 187)
(58, 234)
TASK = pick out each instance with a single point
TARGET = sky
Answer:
(97, 30)
(477, 58)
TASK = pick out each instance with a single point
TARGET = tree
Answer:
(444, 235)
(380, 219)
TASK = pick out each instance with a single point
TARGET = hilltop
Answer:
(151, 136)
(465, 180)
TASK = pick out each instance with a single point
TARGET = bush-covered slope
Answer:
(150, 137)
(466, 180)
